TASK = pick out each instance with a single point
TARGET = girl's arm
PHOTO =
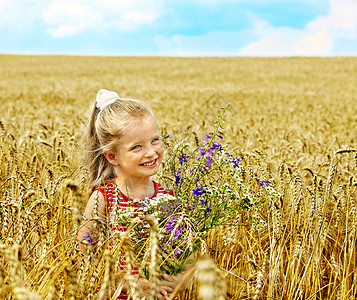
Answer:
(86, 230)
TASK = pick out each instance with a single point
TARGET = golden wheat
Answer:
(293, 120)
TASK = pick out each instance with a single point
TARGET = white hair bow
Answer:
(105, 98)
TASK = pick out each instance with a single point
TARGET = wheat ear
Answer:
(208, 277)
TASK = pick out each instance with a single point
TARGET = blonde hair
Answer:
(104, 131)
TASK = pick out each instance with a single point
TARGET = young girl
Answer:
(124, 151)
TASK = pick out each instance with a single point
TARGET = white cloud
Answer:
(69, 12)
(140, 17)
(18, 17)
(68, 18)
(271, 47)
(319, 43)
(318, 38)
(2, 2)
(341, 20)
(66, 30)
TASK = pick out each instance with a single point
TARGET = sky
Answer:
(179, 27)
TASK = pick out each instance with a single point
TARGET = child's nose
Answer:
(150, 151)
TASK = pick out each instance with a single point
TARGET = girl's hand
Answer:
(180, 281)
(173, 283)
(164, 290)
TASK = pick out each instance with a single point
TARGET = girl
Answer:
(124, 151)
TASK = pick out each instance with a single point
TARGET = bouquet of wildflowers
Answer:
(209, 192)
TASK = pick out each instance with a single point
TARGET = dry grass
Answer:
(289, 116)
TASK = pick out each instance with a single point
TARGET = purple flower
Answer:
(178, 251)
(166, 137)
(199, 191)
(203, 202)
(218, 146)
(208, 161)
(178, 178)
(235, 162)
(178, 232)
(207, 136)
(210, 151)
(90, 240)
(164, 211)
(202, 153)
(266, 182)
(209, 209)
(170, 223)
(183, 158)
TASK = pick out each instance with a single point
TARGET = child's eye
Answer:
(155, 140)
(136, 147)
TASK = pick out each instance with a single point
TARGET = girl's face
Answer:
(140, 151)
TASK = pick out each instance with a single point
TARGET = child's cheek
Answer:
(161, 149)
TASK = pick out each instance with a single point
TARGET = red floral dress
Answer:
(109, 193)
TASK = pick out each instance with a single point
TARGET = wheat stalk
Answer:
(108, 276)
(154, 264)
(133, 283)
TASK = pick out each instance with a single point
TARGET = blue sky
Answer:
(179, 28)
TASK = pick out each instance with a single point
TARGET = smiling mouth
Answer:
(151, 163)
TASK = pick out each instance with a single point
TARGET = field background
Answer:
(288, 115)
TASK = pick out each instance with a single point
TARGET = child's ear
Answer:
(110, 156)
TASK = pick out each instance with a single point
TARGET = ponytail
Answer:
(100, 170)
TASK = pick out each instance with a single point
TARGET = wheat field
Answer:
(293, 119)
